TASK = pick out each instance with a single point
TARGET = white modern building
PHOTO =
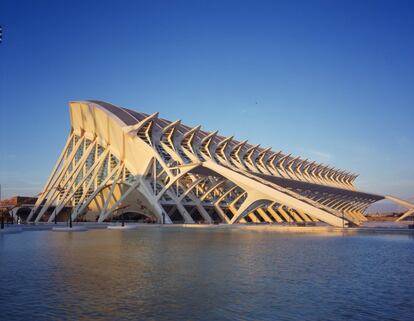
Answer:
(117, 161)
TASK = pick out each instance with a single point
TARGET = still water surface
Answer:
(205, 274)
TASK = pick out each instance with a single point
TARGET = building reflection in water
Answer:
(204, 274)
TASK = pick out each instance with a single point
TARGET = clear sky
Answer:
(332, 81)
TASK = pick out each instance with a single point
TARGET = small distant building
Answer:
(18, 201)
(17, 206)
(21, 206)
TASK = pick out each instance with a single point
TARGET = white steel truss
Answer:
(118, 161)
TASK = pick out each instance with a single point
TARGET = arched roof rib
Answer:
(121, 113)
(130, 117)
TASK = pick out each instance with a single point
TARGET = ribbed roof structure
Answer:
(118, 161)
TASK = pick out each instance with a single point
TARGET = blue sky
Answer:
(328, 80)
